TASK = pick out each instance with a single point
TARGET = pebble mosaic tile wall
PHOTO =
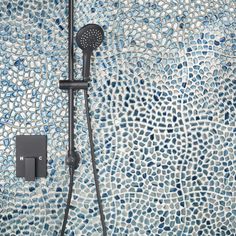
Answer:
(163, 108)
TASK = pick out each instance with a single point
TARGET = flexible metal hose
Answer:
(90, 132)
(71, 171)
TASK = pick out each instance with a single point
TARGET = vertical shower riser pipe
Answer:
(71, 77)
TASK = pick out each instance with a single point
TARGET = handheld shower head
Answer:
(89, 38)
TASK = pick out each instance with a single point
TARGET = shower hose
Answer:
(71, 172)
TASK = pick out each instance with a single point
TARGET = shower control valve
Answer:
(31, 156)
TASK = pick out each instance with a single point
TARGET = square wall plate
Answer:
(31, 146)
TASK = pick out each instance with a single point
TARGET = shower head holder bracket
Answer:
(73, 84)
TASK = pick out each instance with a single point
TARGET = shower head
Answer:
(88, 38)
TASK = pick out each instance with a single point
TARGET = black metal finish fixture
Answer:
(76, 84)
(73, 158)
(31, 156)
(88, 39)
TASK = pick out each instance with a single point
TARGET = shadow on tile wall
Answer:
(162, 100)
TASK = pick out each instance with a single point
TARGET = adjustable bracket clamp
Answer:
(73, 84)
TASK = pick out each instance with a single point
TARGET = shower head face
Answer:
(90, 37)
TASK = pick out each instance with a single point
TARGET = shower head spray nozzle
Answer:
(88, 39)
